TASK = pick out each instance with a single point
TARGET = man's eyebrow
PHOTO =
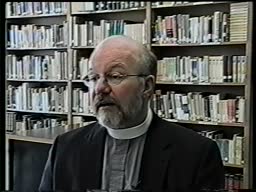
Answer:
(117, 65)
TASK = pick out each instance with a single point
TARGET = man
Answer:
(129, 147)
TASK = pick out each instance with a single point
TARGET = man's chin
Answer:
(109, 118)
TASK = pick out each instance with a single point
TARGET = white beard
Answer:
(109, 118)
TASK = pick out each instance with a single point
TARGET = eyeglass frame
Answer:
(86, 78)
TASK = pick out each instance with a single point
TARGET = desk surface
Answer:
(44, 135)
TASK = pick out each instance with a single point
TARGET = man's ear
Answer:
(149, 86)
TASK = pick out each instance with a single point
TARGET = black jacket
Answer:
(174, 159)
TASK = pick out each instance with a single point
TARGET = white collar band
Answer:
(132, 132)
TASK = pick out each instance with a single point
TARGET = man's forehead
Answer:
(109, 56)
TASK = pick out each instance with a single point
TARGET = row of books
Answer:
(213, 69)
(34, 8)
(81, 101)
(10, 121)
(105, 5)
(35, 36)
(198, 106)
(233, 182)
(182, 28)
(37, 67)
(29, 122)
(238, 21)
(81, 66)
(26, 97)
(231, 150)
(91, 33)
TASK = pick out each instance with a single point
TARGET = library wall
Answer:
(204, 80)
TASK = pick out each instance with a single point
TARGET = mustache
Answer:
(101, 100)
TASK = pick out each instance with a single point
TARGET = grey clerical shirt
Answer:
(122, 156)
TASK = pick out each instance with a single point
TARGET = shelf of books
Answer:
(204, 66)
(203, 80)
(36, 65)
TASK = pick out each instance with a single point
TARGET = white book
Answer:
(241, 110)
(29, 99)
(52, 99)
(231, 151)
(76, 32)
(243, 68)
(47, 99)
(201, 29)
(201, 107)
(43, 101)
(81, 36)
(21, 70)
(238, 140)
(74, 105)
(77, 7)
(225, 111)
(66, 100)
(14, 69)
(200, 70)
(81, 101)
(239, 69)
(89, 6)
(8, 9)
(21, 97)
(17, 36)
(220, 68)
(178, 106)
(206, 61)
(86, 102)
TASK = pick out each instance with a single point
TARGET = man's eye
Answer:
(115, 76)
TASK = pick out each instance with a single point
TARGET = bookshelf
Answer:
(182, 53)
(139, 20)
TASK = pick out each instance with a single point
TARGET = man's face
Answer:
(120, 105)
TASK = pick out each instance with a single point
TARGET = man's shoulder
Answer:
(181, 134)
(78, 133)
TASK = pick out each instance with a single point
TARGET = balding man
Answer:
(129, 147)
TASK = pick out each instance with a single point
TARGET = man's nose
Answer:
(102, 86)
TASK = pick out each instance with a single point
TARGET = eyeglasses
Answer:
(111, 79)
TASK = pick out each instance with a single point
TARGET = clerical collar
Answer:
(132, 132)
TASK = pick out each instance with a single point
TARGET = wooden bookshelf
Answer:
(234, 165)
(190, 4)
(36, 16)
(83, 114)
(200, 84)
(149, 14)
(83, 47)
(40, 80)
(78, 81)
(108, 11)
(206, 123)
(40, 112)
(36, 49)
(44, 135)
(198, 45)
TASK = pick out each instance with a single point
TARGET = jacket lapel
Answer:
(157, 154)
(90, 157)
